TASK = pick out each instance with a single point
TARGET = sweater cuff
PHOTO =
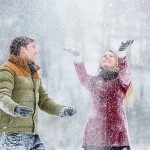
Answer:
(122, 54)
(7, 105)
(61, 112)
(78, 59)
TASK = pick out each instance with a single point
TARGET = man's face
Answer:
(30, 52)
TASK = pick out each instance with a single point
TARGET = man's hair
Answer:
(18, 42)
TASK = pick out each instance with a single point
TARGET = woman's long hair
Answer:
(129, 95)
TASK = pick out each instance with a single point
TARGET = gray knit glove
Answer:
(124, 46)
(67, 111)
(72, 51)
(22, 111)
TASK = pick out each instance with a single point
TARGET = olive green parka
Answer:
(19, 87)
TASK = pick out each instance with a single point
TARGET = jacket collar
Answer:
(21, 62)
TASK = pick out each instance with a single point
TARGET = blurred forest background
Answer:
(92, 26)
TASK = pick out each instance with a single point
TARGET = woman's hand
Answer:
(72, 51)
(75, 53)
(125, 45)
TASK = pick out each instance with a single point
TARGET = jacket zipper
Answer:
(34, 104)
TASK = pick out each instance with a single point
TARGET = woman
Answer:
(106, 128)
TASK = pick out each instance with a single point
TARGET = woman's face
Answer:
(108, 60)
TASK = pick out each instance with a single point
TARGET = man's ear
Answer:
(22, 51)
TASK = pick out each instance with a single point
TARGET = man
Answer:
(21, 95)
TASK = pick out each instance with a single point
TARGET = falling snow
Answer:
(92, 26)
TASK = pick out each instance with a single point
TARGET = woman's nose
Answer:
(107, 57)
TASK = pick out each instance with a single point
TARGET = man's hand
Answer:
(22, 111)
(67, 111)
(124, 46)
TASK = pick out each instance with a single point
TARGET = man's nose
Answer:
(36, 51)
